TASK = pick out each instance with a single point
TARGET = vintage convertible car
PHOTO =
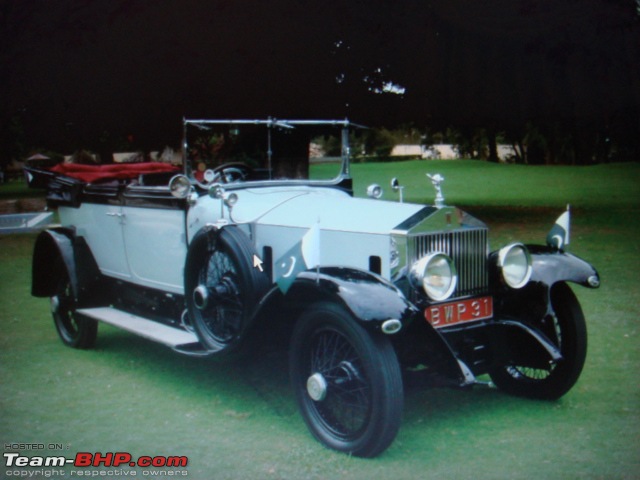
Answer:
(201, 256)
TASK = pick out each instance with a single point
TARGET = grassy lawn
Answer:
(239, 420)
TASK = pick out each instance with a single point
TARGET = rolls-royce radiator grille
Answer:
(467, 248)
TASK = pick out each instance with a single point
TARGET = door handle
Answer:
(114, 214)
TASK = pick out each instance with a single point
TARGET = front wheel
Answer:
(347, 382)
(568, 330)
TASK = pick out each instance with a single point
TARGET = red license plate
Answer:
(462, 311)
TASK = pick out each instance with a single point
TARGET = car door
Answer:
(155, 237)
(99, 220)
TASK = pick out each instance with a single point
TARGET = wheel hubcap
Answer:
(55, 304)
(201, 297)
(317, 387)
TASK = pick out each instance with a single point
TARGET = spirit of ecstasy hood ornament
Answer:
(437, 180)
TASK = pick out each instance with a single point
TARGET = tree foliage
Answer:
(563, 77)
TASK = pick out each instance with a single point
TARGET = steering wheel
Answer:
(226, 173)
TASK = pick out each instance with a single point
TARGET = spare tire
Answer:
(222, 287)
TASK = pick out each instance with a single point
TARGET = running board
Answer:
(176, 338)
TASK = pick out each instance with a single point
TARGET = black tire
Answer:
(75, 330)
(568, 331)
(358, 408)
(220, 268)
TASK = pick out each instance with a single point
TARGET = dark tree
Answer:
(131, 66)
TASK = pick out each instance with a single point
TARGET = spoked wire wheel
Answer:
(221, 286)
(566, 328)
(222, 311)
(74, 329)
(346, 412)
(347, 382)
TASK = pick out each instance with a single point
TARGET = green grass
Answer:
(472, 182)
(13, 189)
(239, 420)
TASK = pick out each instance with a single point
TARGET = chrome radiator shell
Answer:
(451, 231)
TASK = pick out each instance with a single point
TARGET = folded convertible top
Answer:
(116, 171)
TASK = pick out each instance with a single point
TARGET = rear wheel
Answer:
(567, 330)
(75, 330)
(347, 382)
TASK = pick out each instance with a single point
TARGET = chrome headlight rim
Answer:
(514, 261)
(180, 186)
(422, 278)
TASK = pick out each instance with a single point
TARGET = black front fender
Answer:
(370, 298)
(552, 266)
(372, 301)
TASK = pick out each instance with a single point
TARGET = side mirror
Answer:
(396, 187)
(180, 186)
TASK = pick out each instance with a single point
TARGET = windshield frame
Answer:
(342, 180)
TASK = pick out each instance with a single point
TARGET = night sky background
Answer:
(85, 73)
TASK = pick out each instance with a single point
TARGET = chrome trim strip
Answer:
(340, 182)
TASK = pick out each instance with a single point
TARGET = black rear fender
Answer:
(60, 248)
(52, 246)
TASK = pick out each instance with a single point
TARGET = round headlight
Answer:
(515, 263)
(436, 274)
(374, 191)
